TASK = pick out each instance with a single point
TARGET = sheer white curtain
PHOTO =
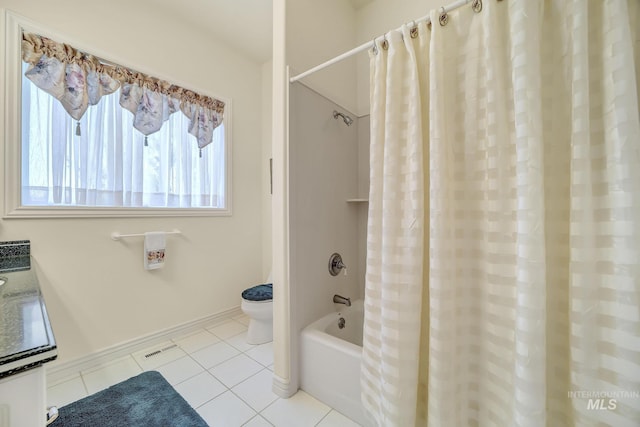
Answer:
(533, 219)
(109, 164)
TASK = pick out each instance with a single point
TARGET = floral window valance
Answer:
(78, 79)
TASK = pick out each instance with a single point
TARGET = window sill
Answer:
(80, 212)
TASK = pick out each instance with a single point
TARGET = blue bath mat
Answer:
(146, 400)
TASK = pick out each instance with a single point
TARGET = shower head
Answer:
(346, 119)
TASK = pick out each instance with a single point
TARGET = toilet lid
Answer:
(259, 293)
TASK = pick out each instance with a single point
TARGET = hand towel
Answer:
(154, 249)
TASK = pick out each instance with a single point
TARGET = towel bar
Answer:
(117, 236)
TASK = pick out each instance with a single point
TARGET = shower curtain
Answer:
(503, 245)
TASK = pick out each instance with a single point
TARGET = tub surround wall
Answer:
(363, 193)
(97, 292)
(323, 175)
(328, 170)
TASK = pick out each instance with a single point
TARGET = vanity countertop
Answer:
(26, 338)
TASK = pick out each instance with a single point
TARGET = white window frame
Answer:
(11, 121)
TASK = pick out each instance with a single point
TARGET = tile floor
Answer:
(225, 379)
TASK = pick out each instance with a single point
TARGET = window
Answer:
(102, 164)
(110, 164)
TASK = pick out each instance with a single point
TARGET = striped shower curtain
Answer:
(503, 247)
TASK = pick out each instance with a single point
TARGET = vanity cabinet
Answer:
(23, 399)
(26, 339)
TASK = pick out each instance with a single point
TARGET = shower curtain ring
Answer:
(414, 30)
(385, 43)
(444, 18)
(375, 48)
(476, 6)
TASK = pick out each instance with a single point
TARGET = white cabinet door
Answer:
(23, 399)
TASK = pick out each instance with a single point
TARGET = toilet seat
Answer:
(257, 293)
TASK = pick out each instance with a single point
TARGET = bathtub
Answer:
(330, 361)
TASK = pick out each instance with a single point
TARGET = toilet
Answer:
(257, 303)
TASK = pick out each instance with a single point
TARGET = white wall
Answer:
(285, 378)
(96, 290)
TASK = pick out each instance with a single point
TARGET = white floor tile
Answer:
(200, 389)
(231, 363)
(227, 329)
(215, 354)
(107, 375)
(336, 419)
(262, 353)
(240, 342)
(243, 318)
(158, 355)
(196, 341)
(257, 390)
(235, 370)
(179, 370)
(64, 393)
(258, 421)
(300, 410)
(55, 378)
(226, 410)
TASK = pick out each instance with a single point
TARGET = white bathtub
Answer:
(330, 361)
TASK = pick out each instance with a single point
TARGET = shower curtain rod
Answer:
(367, 45)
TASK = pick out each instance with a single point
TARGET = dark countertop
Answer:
(26, 338)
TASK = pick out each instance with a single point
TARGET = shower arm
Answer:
(346, 119)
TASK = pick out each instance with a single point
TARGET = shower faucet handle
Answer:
(336, 264)
(343, 267)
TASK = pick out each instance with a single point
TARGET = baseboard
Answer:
(282, 388)
(58, 372)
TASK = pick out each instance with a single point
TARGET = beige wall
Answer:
(377, 18)
(267, 77)
(318, 31)
(96, 290)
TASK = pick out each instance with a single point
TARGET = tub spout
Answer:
(338, 299)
